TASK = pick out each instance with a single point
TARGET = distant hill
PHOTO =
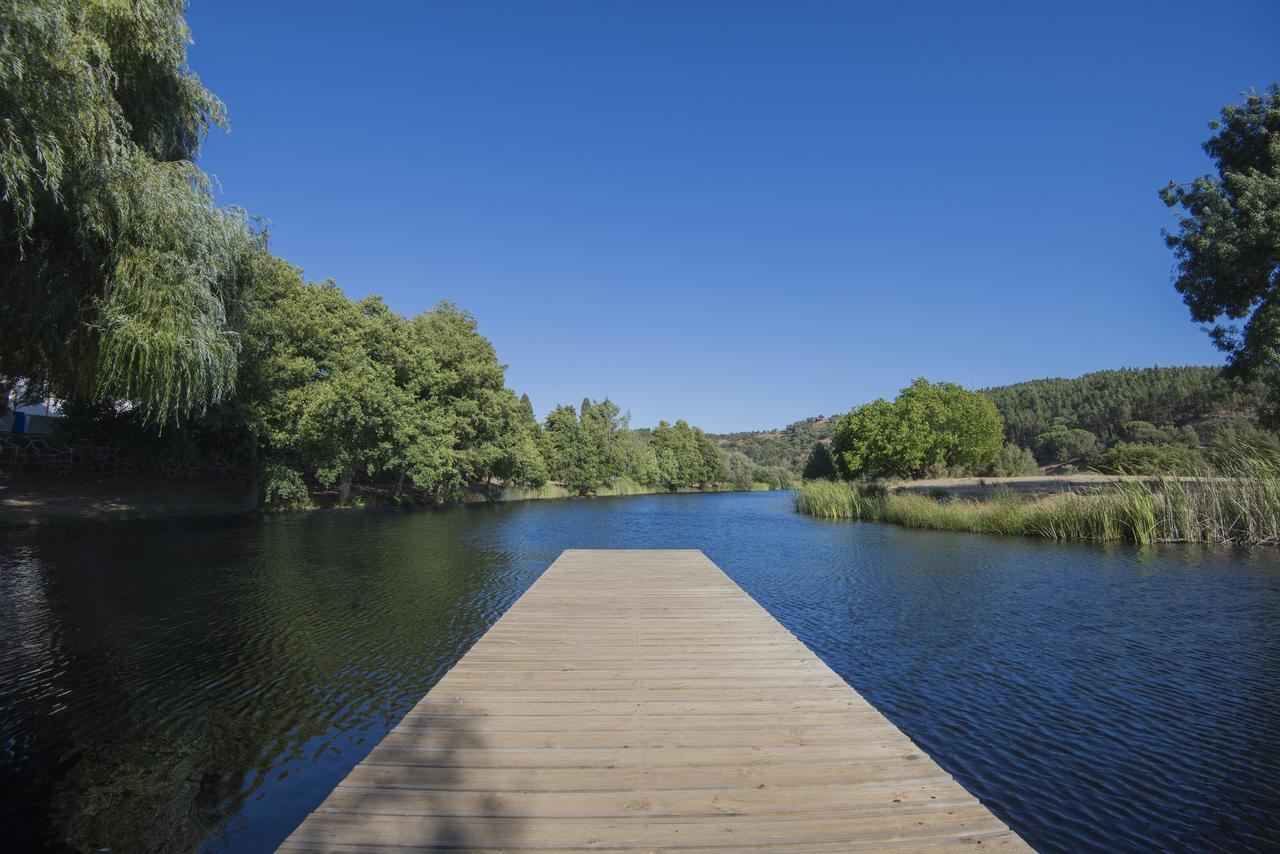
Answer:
(787, 447)
(1101, 402)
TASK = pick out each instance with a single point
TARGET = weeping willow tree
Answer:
(119, 277)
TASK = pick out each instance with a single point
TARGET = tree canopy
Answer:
(1227, 243)
(119, 277)
(930, 428)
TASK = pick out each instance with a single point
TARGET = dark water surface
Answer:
(172, 686)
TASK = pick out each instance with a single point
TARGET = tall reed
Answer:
(1238, 506)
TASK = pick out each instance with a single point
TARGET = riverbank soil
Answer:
(27, 500)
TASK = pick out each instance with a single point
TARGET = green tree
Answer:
(1067, 444)
(638, 461)
(331, 401)
(568, 458)
(930, 428)
(119, 278)
(1013, 461)
(739, 469)
(676, 450)
(484, 418)
(820, 465)
(584, 448)
(1228, 239)
(710, 466)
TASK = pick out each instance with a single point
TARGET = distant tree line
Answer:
(1150, 421)
(331, 392)
(1104, 402)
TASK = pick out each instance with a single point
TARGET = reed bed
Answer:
(1238, 506)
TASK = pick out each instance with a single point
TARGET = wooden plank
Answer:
(642, 700)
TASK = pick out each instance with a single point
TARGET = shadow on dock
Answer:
(414, 789)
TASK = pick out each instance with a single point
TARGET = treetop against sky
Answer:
(714, 210)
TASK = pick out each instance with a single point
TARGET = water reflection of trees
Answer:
(220, 680)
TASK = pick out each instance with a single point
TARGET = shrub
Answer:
(1146, 433)
(1013, 461)
(1061, 445)
(283, 488)
(1134, 458)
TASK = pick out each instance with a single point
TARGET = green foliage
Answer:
(1244, 442)
(1063, 444)
(353, 390)
(585, 449)
(773, 477)
(685, 457)
(1104, 402)
(1228, 238)
(283, 488)
(787, 448)
(1136, 458)
(1013, 461)
(928, 429)
(119, 278)
(740, 469)
(820, 465)
(1146, 433)
(1242, 507)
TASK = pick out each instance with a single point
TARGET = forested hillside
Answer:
(786, 448)
(1071, 420)
(1104, 402)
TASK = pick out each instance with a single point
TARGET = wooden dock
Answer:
(642, 700)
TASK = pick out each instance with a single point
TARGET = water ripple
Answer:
(170, 686)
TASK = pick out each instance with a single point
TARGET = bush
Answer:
(1244, 442)
(1146, 433)
(819, 466)
(283, 488)
(1013, 461)
(1134, 458)
(1061, 445)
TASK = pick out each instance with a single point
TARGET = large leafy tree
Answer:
(685, 456)
(331, 401)
(488, 423)
(1228, 239)
(585, 448)
(929, 428)
(119, 278)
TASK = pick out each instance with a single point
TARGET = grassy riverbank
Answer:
(1243, 509)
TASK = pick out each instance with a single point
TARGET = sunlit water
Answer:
(174, 686)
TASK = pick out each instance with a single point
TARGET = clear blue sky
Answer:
(740, 213)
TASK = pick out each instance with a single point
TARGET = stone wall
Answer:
(24, 453)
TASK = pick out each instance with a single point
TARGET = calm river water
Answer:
(204, 684)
